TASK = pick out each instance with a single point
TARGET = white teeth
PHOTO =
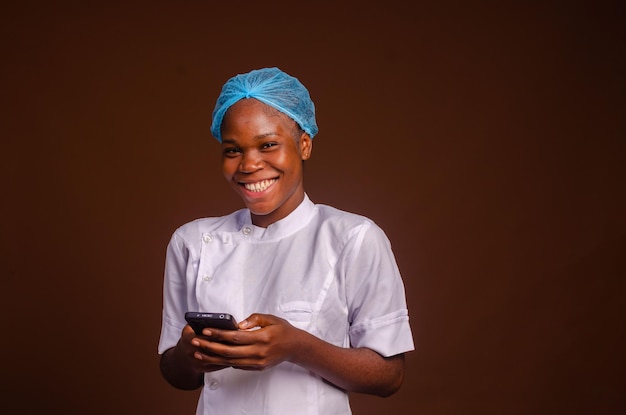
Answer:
(259, 186)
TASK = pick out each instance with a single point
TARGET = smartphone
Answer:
(199, 321)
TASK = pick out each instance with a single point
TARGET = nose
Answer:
(251, 161)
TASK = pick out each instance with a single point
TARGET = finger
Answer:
(217, 334)
(208, 361)
(211, 352)
(224, 354)
(257, 320)
(188, 332)
(235, 337)
(237, 362)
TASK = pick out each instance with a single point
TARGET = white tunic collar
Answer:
(293, 222)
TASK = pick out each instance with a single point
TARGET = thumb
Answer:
(256, 321)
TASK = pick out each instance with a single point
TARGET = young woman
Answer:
(323, 300)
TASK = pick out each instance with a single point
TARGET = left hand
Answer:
(262, 341)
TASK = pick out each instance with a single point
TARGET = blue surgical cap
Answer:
(272, 87)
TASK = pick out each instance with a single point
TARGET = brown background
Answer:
(487, 140)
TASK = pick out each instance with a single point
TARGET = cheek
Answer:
(290, 161)
(229, 167)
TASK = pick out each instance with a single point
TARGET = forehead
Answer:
(252, 112)
(253, 106)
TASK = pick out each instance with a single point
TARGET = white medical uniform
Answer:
(326, 271)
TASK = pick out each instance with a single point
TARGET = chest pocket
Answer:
(298, 313)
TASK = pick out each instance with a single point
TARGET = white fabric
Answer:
(326, 271)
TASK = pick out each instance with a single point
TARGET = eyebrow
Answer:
(264, 135)
(256, 137)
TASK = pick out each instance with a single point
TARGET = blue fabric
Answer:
(272, 87)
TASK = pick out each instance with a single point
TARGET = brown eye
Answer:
(231, 151)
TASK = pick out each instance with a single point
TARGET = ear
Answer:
(306, 146)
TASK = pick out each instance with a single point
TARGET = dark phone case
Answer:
(199, 321)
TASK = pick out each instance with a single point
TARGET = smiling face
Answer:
(262, 154)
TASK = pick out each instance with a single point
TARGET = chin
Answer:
(259, 210)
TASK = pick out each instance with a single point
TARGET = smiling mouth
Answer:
(259, 186)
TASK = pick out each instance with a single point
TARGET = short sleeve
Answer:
(378, 313)
(174, 294)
